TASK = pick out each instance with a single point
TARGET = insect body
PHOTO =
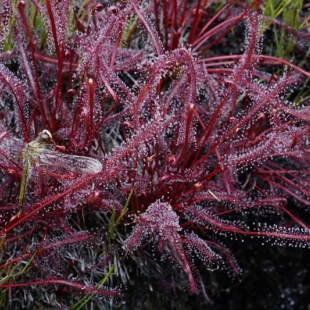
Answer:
(30, 152)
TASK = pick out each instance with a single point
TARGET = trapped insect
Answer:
(38, 152)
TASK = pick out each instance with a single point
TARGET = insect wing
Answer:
(48, 160)
(11, 151)
(66, 164)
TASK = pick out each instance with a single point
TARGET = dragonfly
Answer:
(39, 152)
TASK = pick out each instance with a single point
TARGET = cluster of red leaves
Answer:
(204, 141)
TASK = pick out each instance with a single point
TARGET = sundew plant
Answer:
(198, 146)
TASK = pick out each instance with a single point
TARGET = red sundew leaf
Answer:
(198, 214)
(179, 255)
(73, 238)
(226, 254)
(200, 248)
(76, 287)
(40, 205)
(3, 134)
(149, 28)
(281, 235)
(136, 237)
(18, 89)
